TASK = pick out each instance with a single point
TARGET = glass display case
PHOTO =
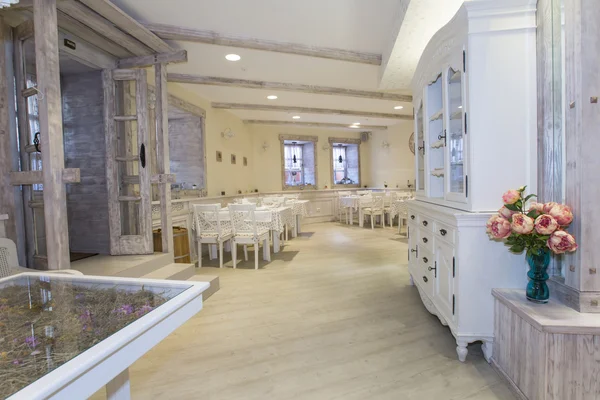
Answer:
(436, 137)
(419, 149)
(455, 182)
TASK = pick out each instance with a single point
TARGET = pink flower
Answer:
(498, 227)
(548, 207)
(511, 197)
(561, 242)
(539, 207)
(545, 224)
(562, 214)
(522, 224)
(506, 213)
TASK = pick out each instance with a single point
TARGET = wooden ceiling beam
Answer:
(147, 61)
(210, 37)
(127, 24)
(308, 110)
(316, 125)
(288, 87)
(103, 27)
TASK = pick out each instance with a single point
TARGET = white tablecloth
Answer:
(299, 207)
(273, 219)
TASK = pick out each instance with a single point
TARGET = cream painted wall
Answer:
(396, 164)
(267, 171)
(222, 176)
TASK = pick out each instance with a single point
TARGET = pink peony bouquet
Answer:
(534, 228)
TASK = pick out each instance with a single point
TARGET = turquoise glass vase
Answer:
(537, 289)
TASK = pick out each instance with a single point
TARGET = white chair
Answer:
(246, 231)
(402, 215)
(9, 263)
(273, 201)
(390, 198)
(341, 207)
(363, 192)
(252, 200)
(211, 230)
(375, 209)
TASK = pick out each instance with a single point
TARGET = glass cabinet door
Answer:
(436, 138)
(419, 149)
(455, 136)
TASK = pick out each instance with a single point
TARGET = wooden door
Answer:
(443, 295)
(127, 161)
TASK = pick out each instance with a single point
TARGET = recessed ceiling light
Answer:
(356, 123)
(398, 108)
(233, 57)
(272, 97)
(459, 106)
(296, 117)
(354, 126)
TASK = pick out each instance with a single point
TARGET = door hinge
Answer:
(453, 267)
(466, 185)
(465, 123)
(453, 304)
(464, 61)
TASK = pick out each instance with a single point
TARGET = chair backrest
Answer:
(363, 192)
(273, 201)
(243, 218)
(8, 257)
(207, 219)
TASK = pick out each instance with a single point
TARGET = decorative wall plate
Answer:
(411, 143)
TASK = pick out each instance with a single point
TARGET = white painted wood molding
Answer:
(308, 110)
(289, 87)
(316, 125)
(210, 37)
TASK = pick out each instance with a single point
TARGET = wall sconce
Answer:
(385, 145)
(265, 146)
(227, 134)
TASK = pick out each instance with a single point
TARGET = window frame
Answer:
(344, 141)
(299, 138)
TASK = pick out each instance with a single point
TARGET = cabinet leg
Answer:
(488, 350)
(461, 349)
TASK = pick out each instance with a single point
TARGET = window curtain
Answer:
(292, 150)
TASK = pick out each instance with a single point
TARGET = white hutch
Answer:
(475, 102)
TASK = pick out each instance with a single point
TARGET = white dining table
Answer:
(358, 203)
(300, 210)
(107, 360)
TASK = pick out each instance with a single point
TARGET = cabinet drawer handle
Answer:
(425, 240)
(425, 260)
(425, 279)
(443, 232)
(412, 217)
(424, 223)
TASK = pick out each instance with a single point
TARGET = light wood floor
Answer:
(331, 317)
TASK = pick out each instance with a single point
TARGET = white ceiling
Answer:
(360, 25)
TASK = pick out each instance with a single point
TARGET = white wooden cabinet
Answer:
(474, 96)
(455, 266)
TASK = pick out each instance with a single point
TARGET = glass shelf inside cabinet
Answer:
(455, 129)
(420, 149)
(437, 137)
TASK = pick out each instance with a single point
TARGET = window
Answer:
(293, 164)
(298, 161)
(345, 162)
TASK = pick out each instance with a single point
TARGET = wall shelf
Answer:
(437, 115)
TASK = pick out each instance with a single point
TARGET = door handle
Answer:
(143, 155)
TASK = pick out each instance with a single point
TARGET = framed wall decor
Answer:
(245, 161)
(233, 159)
(219, 156)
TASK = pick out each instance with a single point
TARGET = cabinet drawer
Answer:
(425, 282)
(444, 231)
(425, 239)
(426, 261)
(426, 222)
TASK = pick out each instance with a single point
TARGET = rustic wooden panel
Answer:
(51, 129)
(83, 106)
(186, 148)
